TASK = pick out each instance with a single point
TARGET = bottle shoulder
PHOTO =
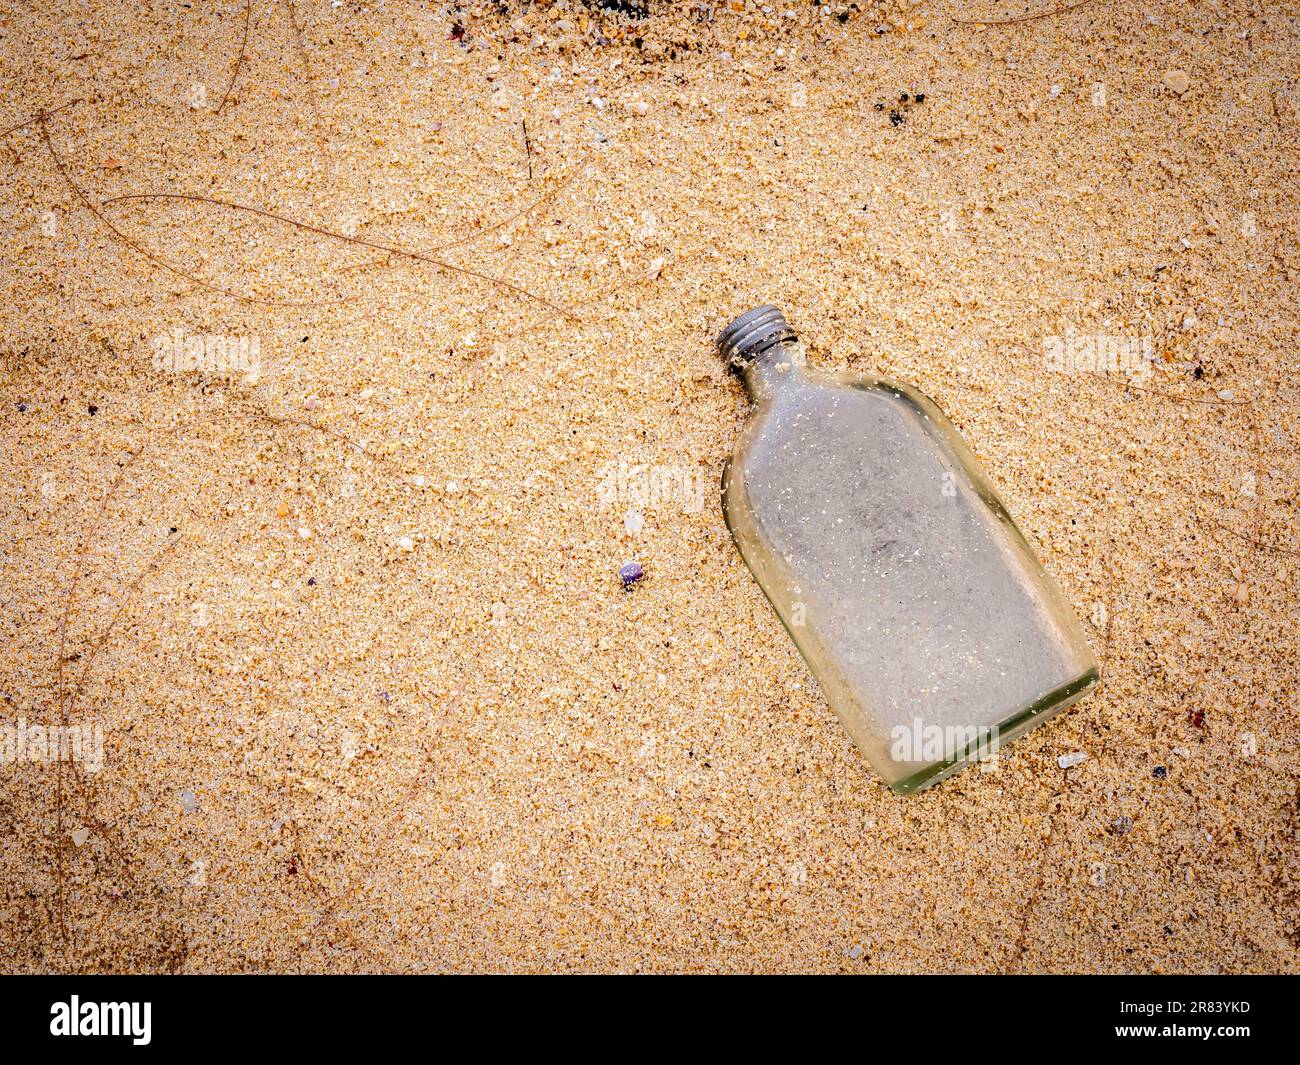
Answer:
(807, 385)
(886, 388)
(828, 424)
(836, 403)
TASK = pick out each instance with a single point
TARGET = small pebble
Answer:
(406, 543)
(189, 802)
(1177, 81)
(629, 573)
(856, 951)
(633, 522)
(1160, 772)
(1069, 761)
(80, 835)
(1121, 825)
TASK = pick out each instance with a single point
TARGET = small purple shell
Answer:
(629, 573)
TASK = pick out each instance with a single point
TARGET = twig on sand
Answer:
(40, 116)
(131, 590)
(138, 248)
(60, 694)
(1260, 544)
(1032, 17)
(530, 208)
(40, 119)
(307, 227)
(322, 141)
(239, 60)
(64, 698)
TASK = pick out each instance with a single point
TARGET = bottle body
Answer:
(932, 628)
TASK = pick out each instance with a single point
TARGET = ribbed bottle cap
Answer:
(753, 332)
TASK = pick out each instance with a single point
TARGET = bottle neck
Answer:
(773, 369)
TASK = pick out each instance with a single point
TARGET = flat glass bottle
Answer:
(933, 630)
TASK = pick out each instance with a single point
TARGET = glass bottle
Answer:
(933, 630)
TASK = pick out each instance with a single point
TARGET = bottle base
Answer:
(1035, 714)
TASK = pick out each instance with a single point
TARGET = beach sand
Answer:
(345, 605)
